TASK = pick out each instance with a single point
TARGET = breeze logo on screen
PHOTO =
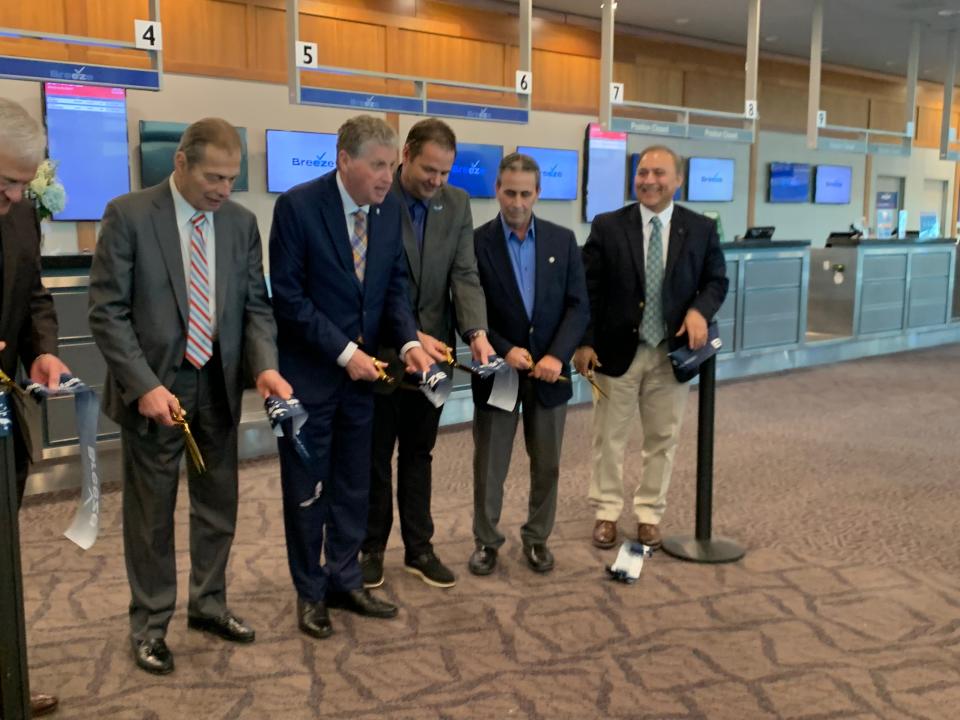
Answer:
(710, 179)
(833, 184)
(475, 169)
(295, 157)
(558, 171)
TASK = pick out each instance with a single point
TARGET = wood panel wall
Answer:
(247, 39)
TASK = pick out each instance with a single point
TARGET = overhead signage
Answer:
(18, 68)
(672, 129)
(841, 145)
(410, 105)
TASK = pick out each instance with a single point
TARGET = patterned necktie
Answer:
(651, 328)
(199, 323)
(358, 241)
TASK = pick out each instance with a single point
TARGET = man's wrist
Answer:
(474, 334)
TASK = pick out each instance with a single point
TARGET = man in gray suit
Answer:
(178, 306)
(442, 269)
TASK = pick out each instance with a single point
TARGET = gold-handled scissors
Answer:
(593, 384)
(180, 419)
(382, 371)
(10, 384)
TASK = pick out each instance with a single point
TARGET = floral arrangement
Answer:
(46, 191)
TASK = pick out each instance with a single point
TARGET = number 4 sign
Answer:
(148, 35)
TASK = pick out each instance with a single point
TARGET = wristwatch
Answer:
(475, 334)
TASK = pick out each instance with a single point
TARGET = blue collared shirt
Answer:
(523, 258)
(418, 215)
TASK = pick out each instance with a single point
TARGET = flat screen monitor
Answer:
(475, 169)
(605, 158)
(832, 184)
(294, 157)
(631, 188)
(558, 171)
(789, 182)
(87, 138)
(710, 179)
(158, 145)
(759, 232)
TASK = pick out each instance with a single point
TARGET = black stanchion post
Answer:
(14, 689)
(703, 547)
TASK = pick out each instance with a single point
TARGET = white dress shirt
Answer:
(646, 215)
(349, 208)
(184, 211)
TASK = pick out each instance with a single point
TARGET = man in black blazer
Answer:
(537, 311)
(446, 296)
(339, 284)
(28, 320)
(655, 274)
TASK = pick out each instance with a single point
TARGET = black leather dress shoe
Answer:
(153, 655)
(361, 602)
(313, 619)
(228, 626)
(41, 704)
(539, 558)
(483, 560)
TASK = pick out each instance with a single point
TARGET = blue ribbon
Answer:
(6, 421)
(286, 418)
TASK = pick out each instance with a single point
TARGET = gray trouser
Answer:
(493, 433)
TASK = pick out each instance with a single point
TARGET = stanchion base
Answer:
(715, 550)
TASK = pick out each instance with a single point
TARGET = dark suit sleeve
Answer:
(468, 300)
(398, 319)
(576, 316)
(594, 274)
(292, 307)
(712, 288)
(39, 336)
(111, 300)
(259, 327)
(497, 341)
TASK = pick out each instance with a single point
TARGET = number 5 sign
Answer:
(148, 35)
(306, 54)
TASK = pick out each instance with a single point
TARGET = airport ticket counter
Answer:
(865, 287)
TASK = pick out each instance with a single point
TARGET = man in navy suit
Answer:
(656, 276)
(338, 276)
(533, 280)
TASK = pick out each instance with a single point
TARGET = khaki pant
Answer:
(649, 386)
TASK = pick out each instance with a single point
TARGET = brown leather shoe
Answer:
(41, 704)
(605, 534)
(649, 535)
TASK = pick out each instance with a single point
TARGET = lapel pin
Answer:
(551, 259)
(377, 211)
(438, 207)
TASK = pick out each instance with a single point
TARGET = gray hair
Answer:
(518, 162)
(677, 159)
(20, 134)
(208, 131)
(358, 131)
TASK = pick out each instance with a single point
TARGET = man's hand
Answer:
(548, 369)
(270, 382)
(695, 326)
(46, 369)
(418, 362)
(585, 360)
(481, 349)
(159, 405)
(433, 347)
(363, 367)
(519, 358)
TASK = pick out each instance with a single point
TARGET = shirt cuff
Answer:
(405, 348)
(468, 335)
(344, 357)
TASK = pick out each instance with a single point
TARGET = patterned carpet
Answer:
(840, 481)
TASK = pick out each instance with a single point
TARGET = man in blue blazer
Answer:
(338, 276)
(537, 311)
(656, 277)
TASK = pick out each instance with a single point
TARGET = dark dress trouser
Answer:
(151, 472)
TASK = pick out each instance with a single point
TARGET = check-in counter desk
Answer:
(766, 305)
(864, 287)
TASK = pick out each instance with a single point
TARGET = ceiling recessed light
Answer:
(772, 38)
(682, 21)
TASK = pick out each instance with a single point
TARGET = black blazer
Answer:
(560, 312)
(613, 260)
(28, 320)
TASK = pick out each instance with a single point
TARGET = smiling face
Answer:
(423, 175)
(368, 176)
(657, 180)
(207, 183)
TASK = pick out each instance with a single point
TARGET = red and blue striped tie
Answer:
(199, 323)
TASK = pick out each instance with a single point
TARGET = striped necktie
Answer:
(199, 322)
(358, 241)
(651, 328)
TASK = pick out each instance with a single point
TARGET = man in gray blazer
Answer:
(446, 296)
(178, 306)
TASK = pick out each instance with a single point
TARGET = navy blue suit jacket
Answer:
(560, 308)
(318, 302)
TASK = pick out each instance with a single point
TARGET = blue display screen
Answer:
(832, 184)
(475, 169)
(606, 159)
(789, 182)
(632, 189)
(558, 171)
(87, 138)
(710, 179)
(295, 157)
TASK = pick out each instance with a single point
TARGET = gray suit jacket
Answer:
(138, 300)
(443, 278)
